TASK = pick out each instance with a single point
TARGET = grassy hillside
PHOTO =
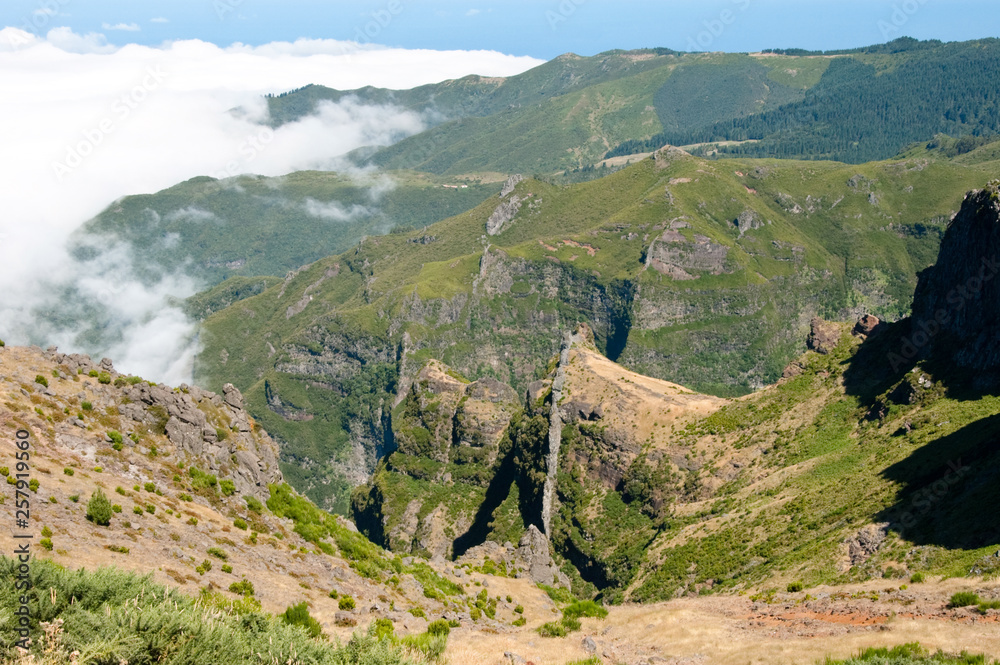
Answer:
(251, 225)
(654, 257)
(853, 106)
(844, 472)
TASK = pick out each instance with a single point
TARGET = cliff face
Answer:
(956, 307)
(101, 413)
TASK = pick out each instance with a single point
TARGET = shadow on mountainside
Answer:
(950, 489)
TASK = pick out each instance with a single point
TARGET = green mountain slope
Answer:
(703, 273)
(252, 225)
(572, 112)
(870, 106)
(867, 460)
(478, 95)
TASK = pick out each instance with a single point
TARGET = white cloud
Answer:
(125, 27)
(44, 11)
(64, 39)
(148, 118)
(473, 12)
(159, 19)
(335, 212)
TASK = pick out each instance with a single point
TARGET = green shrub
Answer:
(99, 508)
(137, 510)
(298, 615)
(193, 521)
(94, 373)
(150, 487)
(333, 594)
(120, 490)
(417, 612)
(68, 471)
(185, 497)
(240, 523)
(585, 608)
(519, 609)
(519, 621)
(98, 469)
(75, 498)
(104, 378)
(253, 504)
(86, 406)
(218, 553)
(201, 480)
(794, 587)
(916, 578)
(33, 485)
(46, 543)
(221, 433)
(116, 437)
(46, 532)
(227, 487)
(987, 605)
(552, 629)
(964, 599)
(41, 380)
(346, 603)
(570, 623)
(115, 508)
(431, 646)
(4, 471)
(244, 587)
(382, 628)
(150, 508)
(226, 568)
(121, 549)
(439, 627)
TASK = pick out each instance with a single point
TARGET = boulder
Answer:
(867, 326)
(823, 336)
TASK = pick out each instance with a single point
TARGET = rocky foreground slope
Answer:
(194, 482)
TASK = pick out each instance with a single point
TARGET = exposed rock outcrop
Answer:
(503, 213)
(956, 306)
(748, 220)
(823, 336)
(507, 209)
(532, 558)
(203, 429)
(674, 255)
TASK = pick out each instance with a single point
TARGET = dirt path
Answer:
(732, 630)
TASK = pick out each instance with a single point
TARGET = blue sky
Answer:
(539, 28)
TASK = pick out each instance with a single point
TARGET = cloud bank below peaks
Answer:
(87, 122)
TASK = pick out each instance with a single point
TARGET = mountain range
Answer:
(541, 350)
